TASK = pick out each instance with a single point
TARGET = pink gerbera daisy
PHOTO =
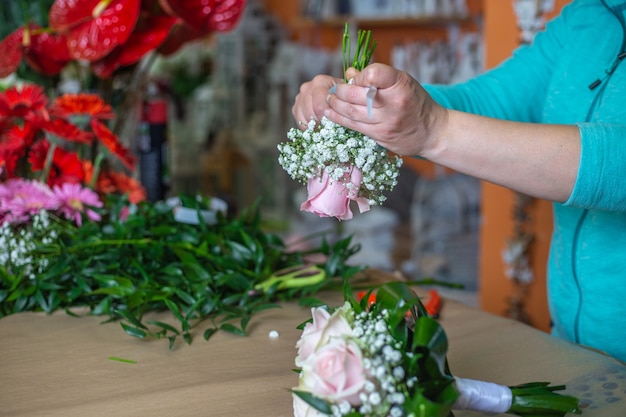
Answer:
(20, 199)
(76, 200)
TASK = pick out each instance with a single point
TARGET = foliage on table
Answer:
(389, 358)
(132, 263)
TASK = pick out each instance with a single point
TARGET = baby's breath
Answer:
(333, 148)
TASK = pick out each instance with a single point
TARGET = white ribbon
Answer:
(482, 396)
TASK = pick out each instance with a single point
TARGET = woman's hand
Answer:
(403, 118)
(310, 103)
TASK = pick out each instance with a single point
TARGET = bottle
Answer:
(152, 145)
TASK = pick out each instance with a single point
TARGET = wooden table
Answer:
(59, 366)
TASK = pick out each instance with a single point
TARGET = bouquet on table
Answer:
(340, 165)
(384, 356)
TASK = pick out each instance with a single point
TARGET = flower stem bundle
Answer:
(388, 358)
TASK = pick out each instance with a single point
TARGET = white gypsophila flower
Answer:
(331, 147)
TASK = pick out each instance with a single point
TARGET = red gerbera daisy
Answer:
(110, 140)
(37, 155)
(29, 102)
(64, 129)
(66, 167)
(90, 105)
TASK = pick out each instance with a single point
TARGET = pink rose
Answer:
(335, 371)
(318, 332)
(311, 334)
(328, 198)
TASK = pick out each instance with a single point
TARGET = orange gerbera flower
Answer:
(90, 105)
(130, 186)
(110, 140)
(29, 102)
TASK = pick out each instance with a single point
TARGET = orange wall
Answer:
(501, 37)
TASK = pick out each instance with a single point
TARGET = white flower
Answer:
(334, 148)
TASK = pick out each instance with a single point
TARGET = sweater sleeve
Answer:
(516, 89)
(600, 181)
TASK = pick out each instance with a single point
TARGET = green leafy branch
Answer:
(147, 263)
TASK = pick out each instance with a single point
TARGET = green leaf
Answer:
(231, 328)
(316, 402)
(165, 326)
(209, 332)
(133, 331)
(132, 319)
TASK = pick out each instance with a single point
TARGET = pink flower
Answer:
(311, 334)
(328, 198)
(20, 199)
(330, 360)
(335, 372)
(323, 327)
(75, 200)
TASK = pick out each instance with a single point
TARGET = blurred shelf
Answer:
(391, 22)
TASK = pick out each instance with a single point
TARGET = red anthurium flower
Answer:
(149, 33)
(94, 27)
(29, 102)
(11, 53)
(64, 129)
(110, 140)
(91, 105)
(44, 51)
(206, 16)
(47, 52)
(180, 34)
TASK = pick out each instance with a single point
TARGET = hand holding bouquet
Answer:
(389, 359)
(340, 165)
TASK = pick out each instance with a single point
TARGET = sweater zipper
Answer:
(604, 81)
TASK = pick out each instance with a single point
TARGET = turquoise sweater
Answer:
(573, 74)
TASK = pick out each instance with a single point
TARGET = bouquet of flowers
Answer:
(388, 358)
(340, 165)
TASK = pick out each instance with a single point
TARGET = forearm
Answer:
(535, 159)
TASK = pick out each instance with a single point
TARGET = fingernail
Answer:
(328, 98)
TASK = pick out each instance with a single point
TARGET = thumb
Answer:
(378, 75)
(351, 73)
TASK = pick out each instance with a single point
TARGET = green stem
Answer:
(48, 163)
(96, 169)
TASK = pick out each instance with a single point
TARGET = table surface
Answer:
(59, 365)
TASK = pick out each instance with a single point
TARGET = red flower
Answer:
(94, 27)
(150, 32)
(64, 129)
(37, 155)
(110, 140)
(29, 102)
(90, 105)
(110, 182)
(66, 167)
(44, 51)
(206, 16)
